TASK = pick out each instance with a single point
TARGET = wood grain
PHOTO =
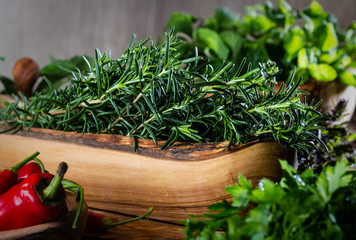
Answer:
(180, 181)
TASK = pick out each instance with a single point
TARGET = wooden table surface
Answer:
(144, 229)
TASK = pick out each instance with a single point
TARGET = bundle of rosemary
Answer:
(149, 93)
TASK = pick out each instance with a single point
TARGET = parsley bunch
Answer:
(300, 206)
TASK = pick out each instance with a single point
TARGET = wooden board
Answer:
(181, 180)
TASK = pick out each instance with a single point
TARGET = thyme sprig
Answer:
(149, 93)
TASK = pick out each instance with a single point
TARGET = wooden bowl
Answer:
(182, 179)
(60, 229)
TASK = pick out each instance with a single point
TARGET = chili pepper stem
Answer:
(40, 163)
(51, 191)
(16, 168)
(73, 187)
(109, 224)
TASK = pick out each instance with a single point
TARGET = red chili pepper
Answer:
(37, 199)
(29, 169)
(8, 177)
(98, 223)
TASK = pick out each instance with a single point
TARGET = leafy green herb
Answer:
(309, 39)
(151, 93)
(305, 206)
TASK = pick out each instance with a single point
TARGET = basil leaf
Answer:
(294, 41)
(348, 78)
(182, 22)
(303, 59)
(211, 39)
(322, 72)
(316, 9)
(257, 25)
(225, 18)
(330, 39)
(329, 56)
(233, 41)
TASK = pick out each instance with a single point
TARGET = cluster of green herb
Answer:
(309, 39)
(305, 206)
(340, 140)
(149, 92)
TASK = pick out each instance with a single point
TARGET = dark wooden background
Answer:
(40, 28)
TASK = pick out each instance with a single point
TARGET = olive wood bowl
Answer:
(180, 180)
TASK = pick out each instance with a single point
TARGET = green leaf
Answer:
(307, 174)
(331, 179)
(211, 39)
(240, 191)
(343, 62)
(234, 41)
(330, 39)
(303, 59)
(225, 18)
(257, 224)
(287, 168)
(329, 57)
(79, 62)
(348, 78)
(212, 23)
(60, 71)
(316, 9)
(322, 72)
(287, 12)
(267, 192)
(257, 25)
(182, 22)
(338, 176)
(57, 69)
(291, 179)
(353, 64)
(294, 41)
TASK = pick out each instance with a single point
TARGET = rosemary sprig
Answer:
(149, 93)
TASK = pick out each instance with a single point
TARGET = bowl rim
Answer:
(181, 151)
